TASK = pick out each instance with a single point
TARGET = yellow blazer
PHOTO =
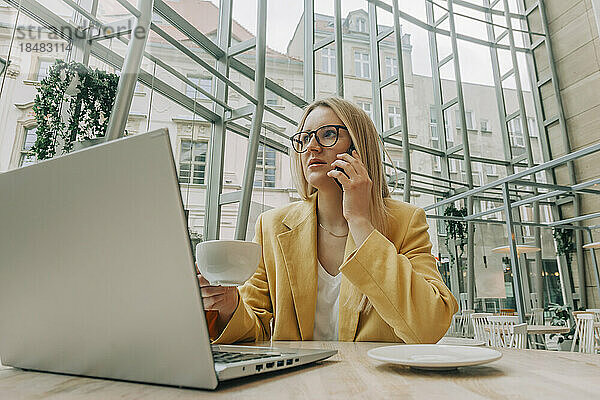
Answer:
(398, 274)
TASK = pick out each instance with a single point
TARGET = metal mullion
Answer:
(440, 125)
(309, 54)
(324, 42)
(245, 132)
(339, 54)
(214, 71)
(402, 100)
(436, 178)
(254, 140)
(431, 28)
(167, 90)
(216, 151)
(567, 147)
(182, 25)
(185, 27)
(179, 75)
(241, 47)
(550, 164)
(137, 13)
(129, 73)
(596, 273)
(279, 90)
(518, 290)
(574, 219)
(467, 156)
(374, 65)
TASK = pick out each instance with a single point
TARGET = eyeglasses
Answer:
(327, 136)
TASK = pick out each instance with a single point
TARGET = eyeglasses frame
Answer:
(314, 133)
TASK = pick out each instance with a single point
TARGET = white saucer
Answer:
(434, 356)
(458, 341)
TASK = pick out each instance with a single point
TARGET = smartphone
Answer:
(349, 151)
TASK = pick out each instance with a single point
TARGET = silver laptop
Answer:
(97, 276)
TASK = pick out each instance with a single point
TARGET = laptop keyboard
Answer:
(231, 357)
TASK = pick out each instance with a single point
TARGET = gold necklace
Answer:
(331, 233)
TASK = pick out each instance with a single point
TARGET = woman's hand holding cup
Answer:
(221, 299)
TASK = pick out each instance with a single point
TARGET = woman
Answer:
(345, 263)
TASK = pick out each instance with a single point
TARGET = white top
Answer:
(328, 304)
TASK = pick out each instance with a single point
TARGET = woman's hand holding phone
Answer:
(356, 185)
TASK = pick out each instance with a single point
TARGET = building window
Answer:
(516, 132)
(527, 216)
(362, 66)
(452, 163)
(533, 128)
(271, 98)
(366, 106)
(490, 170)
(43, 68)
(328, 61)
(204, 82)
(391, 66)
(490, 205)
(441, 225)
(394, 116)
(437, 165)
(264, 174)
(433, 128)
(468, 117)
(27, 156)
(449, 127)
(361, 25)
(484, 125)
(192, 161)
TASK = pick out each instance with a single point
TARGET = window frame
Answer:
(328, 60)
(362, 67)
(263, 167)
(203, 165)
(199, 80)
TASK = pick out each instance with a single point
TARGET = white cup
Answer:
(227, 262)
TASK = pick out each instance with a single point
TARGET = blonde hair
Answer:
(369, 145)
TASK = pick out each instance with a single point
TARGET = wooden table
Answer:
(349, 374)
(543, 329)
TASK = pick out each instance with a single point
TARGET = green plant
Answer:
(560, 316)
(73, 103)
(564, 243)
(195, 238)
(455, 230)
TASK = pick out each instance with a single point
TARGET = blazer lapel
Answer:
(349, 301)
(299, 247)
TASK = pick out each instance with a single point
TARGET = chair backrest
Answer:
(596, 312)
(519, 336)
(585, 332)
(507, 311)
(479, 322)
(534, 300)
(463, 301)
(501, 329)
(466, 328)
(537, 316)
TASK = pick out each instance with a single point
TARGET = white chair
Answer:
(479, 322)
(536, 318)
(502, 333)
(519, 336)
(584, 331)
(463, 301)
(596, 312)
(534, 300)
(465, 323)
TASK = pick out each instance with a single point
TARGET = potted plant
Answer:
(455, 231)
(72, 105)
(560, 316)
